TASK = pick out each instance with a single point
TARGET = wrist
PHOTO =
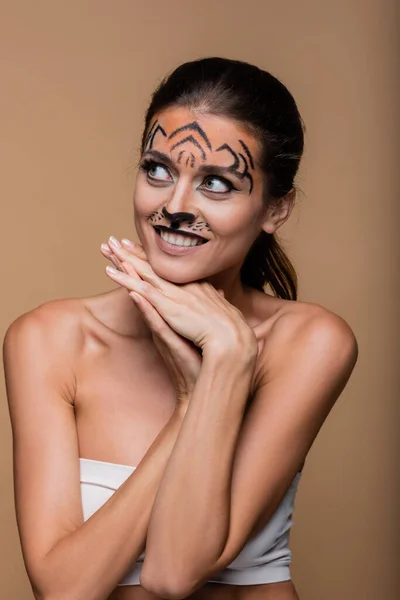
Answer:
(229, 360)
(234, 353)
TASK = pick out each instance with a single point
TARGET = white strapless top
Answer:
(265, 558)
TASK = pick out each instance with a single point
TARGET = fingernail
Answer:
(113, 271)
(127, 243)
(114, 242)
(105, 248)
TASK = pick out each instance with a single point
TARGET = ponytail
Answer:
(267, 263)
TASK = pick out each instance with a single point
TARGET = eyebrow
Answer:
(202, 169)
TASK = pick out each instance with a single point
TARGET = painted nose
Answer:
(178, 217)
(179, 207)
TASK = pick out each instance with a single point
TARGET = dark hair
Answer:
(262, 104)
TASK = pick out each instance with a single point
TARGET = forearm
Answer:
(90, 562)
(189, 522)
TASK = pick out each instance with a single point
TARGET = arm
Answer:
(190, 517)
(234, 483)
(64, 556)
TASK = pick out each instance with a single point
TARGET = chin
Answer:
(175, 272)
(175, 275)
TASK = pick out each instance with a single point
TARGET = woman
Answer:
(160, 428)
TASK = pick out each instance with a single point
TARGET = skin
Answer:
(231, 220)
(110, 340)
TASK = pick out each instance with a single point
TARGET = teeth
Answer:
(179, 240)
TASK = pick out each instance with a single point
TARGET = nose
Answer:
(179, 207)
(178, 217)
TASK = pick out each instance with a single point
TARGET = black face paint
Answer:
(179, 216)
(191, 157)
(192, 140)
(234, 168)
(247, 151)
(152, 134)
(194, 126)
(195, 227)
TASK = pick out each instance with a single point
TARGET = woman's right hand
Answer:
(181, 357)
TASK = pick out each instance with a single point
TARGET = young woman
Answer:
(160, 428)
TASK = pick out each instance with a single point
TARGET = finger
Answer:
(169, 309)
(152, 317)
(106, 252)
(136, 248)
(129, 251)
(205, 288)
(140, 265)
(143, 268)
(130, 270)
(113, 248)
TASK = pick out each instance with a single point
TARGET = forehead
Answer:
(205, 133)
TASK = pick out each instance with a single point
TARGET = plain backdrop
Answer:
(76, 78)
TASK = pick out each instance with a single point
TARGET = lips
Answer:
(176, 250)
(180, 231)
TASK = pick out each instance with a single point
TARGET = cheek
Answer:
(147, 199)
(234, 223)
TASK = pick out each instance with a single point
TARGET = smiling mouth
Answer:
(176, 235)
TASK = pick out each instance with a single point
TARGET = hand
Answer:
(182, 359)
(195, 311)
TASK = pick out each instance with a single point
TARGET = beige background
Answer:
(76, 77)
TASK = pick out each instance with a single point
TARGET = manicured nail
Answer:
(114, 242)
(127, 243)
(105, 248)
(113, 271)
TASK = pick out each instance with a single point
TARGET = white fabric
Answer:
(264, 559)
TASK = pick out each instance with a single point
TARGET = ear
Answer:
(278, 211)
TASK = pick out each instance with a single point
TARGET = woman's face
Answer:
(198, 175)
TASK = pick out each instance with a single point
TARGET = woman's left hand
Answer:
(194, 310)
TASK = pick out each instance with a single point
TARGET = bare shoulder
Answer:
(56, 322)
(46, 339)
(295, 318)
(296, 328)
(60, 332)
(67, 321)
(307, 331)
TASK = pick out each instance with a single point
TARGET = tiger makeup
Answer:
(240, 160)
(198, 193)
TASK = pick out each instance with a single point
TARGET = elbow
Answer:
(50, 595)
(164, 588)
(56, 596)
(48, 583)
(54, 580)
(41, 590)
(40, 594)
(53, 592)
(168, 593)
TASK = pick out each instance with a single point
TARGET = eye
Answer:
(155, 171)
(218, 185)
